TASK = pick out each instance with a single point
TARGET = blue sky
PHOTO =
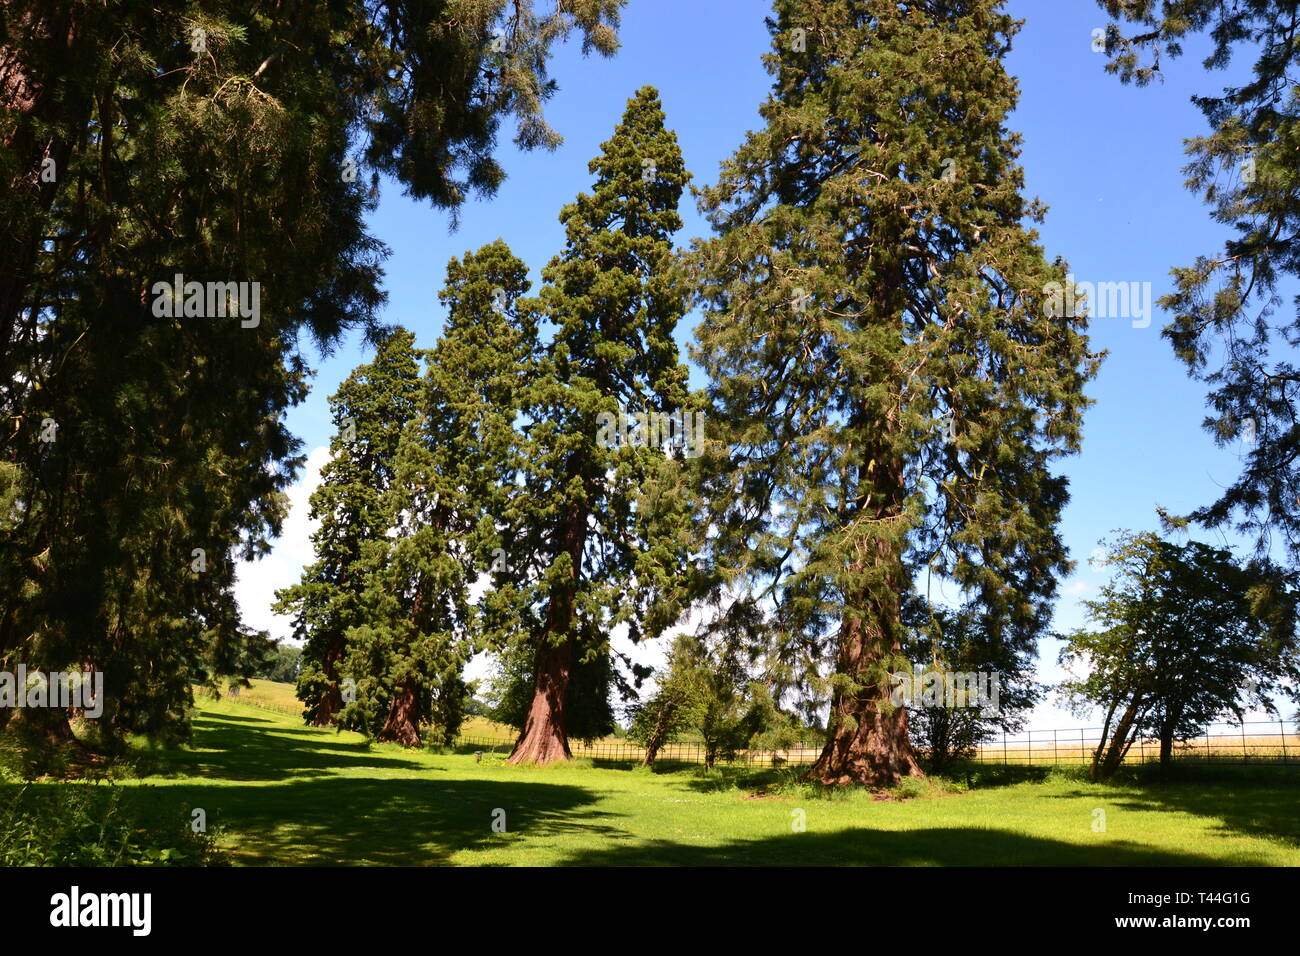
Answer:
(1106, 159)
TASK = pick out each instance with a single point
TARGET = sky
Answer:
(1106, 158)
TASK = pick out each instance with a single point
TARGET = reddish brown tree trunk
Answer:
(544, 739)
(867, 745)
(403, 724)
(868, 742)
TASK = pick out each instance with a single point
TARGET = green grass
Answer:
(282, 793)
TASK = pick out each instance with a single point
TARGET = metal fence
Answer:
(1273, 743)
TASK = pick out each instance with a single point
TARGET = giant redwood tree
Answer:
(598, 536)
(890, 382)
(370, 411)
(144, 454)
(420, 625)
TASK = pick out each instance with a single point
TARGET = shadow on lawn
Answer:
(394, 822)
(948, 846)
(229, 751)
(400, 820)
(1246, 803)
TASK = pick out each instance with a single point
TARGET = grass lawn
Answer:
(283, 793)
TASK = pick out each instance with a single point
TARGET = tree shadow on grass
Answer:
(228, 751)
(240, 718)
(391, 822)
(1249, 800)
(947, 846)
(1245, 807)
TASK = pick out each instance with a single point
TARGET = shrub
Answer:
(80, 825)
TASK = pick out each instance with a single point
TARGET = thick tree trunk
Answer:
(403, 724)
(544, 739)
(866, 745)
(868, 742)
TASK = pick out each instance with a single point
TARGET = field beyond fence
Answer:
(1254, 742)
(1263, 742)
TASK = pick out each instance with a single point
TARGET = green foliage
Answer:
(1231, 325)
(80, 826)
(139, 142)
(889, 387)
(1183, 636)
(959, 641)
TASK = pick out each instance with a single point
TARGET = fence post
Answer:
(1030, 748)
(1281, 725)
(1245, 758)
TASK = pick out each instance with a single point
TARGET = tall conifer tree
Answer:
(420, 628)
(144, 454)
(890, 382)
(370, 411)
(596, 538)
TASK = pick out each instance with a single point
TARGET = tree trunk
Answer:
(403, 724)
(868, 742)
(941, 738)
(1119, 744)
(657, 735)
(1167, 730)
(1166, 751)
(331, 702)
(873, 751)
(544, 739)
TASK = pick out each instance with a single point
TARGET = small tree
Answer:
(707, 690)
(1186, 634)
(676, 706)
(959, 642)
